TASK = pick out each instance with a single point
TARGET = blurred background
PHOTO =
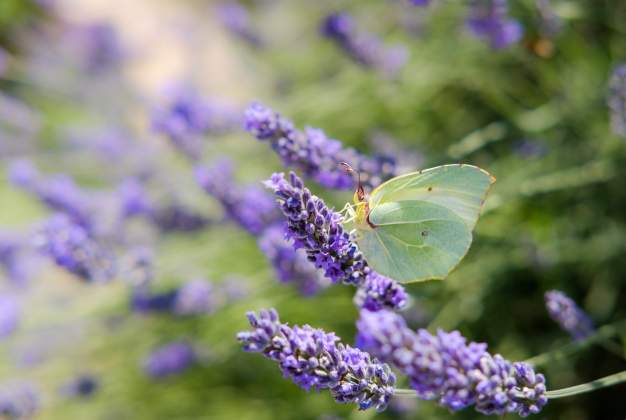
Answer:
(108, 109)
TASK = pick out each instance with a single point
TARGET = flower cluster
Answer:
(18, 400)
(236, 20)
(568, 315)
(70, 246)
(617, 100)
(251, 208)
(364, 48)
(170, 359)
(318, 230)
(445, 367)
(313, 153)
(187, 117)
(84, 385)
(314, 359)
(292, 266)
(489, 20)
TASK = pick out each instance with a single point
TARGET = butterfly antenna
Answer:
(349, 169)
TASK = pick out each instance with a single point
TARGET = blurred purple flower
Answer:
(169, 360)
(530, 148)
(564, 311)
(187, 117)
(420, 2)
(316, 155)
(134, 199)
(251, 208)
(177, 218)
(14, 261)
(291, 266)
(70, 246)
(18, 400)
(318, 230)
(9, 315)
(489, 20)
(236, 20)
(97, 45)
(144, 301)
(364, 48)
(84, 385)
(58, 192)
(195, 297)
(445, 367)
(314, 359)
(617, 100)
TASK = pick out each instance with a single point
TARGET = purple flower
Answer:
(70, 246)
(291, 266)
(568, 315)
(177, 218)
(617, 100)
(134, 199)
(18, 400)
(489, 20)
(378, 292)
(364, 48)
(58, 192)
(169, 360)
(144, 301)
(98, 46)
(236, 20)
(195, 297)
(313, 153)
(84, 385)
(251, 208)
(420, 2)
(447, 368)
(318, 230)
(14, 261)
(9, 315)
(188, 116)
(314, 359)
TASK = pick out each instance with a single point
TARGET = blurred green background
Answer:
(534, 115)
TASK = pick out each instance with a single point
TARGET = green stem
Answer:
(588, 387)
(601, 335)
(401, 392)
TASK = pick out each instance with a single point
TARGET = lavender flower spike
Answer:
(488, 19)
(318, 230)
(313, 153)
(617, 100)
(169, 360)
(564, 311)
(70, 246)
(236, 19)
(18, 400)
(447, 368)
(364, 48)
(315, 359)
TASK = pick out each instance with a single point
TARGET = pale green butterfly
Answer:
(419, 226)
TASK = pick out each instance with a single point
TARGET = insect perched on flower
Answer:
(418, 226)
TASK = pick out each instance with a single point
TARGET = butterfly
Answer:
(418, 226)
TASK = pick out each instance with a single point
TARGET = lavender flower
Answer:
(378, 292)
(98, 46)
(144, 301)
(318, 230)
(568, 315)
(445, 367)
(70, 246)
(18, 400)
(251, 208)
(489, 20)
(13, 260)
(9, 315)
(169, 360)
(292, 266)
(134, 200)
(316, 155)
(364, 48)
(188, 116)
(58, 192)
(314, 359)
(195, 297)
(84, 385)
(617, 100)
(420, 2)
(178, 218)
(236, 20)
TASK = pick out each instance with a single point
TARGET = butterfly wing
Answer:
(458, 187)
(423, 222)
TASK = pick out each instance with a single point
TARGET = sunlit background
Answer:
(110, 109)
